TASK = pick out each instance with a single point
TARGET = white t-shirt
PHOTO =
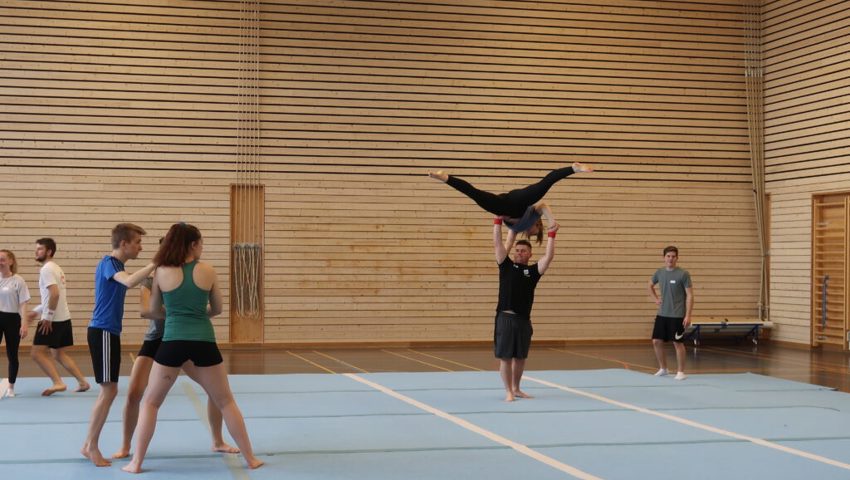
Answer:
(52, 274)
(13, 293)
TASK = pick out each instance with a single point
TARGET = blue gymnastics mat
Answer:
(592, 424)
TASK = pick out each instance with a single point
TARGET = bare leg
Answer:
(213, 416)
(681, 356)
(71, 366)
(658, 346)
(519, 367)
(138, 383)
(91, 449)
(506, 372)
(214, 381)
(42, 358)
(161, 380)
(215, 419)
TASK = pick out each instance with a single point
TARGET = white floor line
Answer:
(476, 429)
(691, 423)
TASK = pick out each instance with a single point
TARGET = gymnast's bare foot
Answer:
(254, 462)
(132, 467)
(84, 387)
(223, 447)
(95, 456)
(439, 175)
(59, 387)
(521, 394)
(123, 453)
(509, 397)
(579, 167)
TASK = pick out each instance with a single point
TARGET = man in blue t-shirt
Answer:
(517, 281)
(110, 287)
(674, 310)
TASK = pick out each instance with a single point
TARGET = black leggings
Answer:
(514, 203)
(10, 327)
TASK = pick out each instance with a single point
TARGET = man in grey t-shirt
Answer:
(674, 310)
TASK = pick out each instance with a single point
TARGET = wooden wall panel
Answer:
(128, 113)
(361, 99)
(807, 140)
(115, 113)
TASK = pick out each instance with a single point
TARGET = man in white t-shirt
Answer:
(53, 334)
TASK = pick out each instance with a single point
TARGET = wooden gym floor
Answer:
(827, 368)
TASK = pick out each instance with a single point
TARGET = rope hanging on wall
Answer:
(247, 228)
(754, 75)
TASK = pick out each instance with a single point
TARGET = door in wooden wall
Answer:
(829, 270)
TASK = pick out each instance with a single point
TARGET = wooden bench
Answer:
(744, 327)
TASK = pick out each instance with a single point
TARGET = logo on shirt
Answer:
(526, 273)
(673, 282)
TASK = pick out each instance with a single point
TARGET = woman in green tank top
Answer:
(189, 291)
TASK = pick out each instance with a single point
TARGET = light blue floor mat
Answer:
(608, 424)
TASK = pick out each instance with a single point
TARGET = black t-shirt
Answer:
(516, 287)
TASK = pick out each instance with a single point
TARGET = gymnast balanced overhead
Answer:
(522, 207)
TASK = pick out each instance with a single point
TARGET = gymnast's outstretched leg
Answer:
(491, 202)
(534, 193)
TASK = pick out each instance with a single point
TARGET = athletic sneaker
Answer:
(662, 372)
(681, 376)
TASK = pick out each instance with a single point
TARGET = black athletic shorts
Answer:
(149, 348)
(511, 336)
(669, 328)
(174, 353)
(61, 335)
(105, 350)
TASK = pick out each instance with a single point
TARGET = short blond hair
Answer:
(124, 232)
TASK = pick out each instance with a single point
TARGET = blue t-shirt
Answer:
(108, 296)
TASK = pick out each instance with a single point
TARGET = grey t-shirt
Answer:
(156, 327)
(673, 284)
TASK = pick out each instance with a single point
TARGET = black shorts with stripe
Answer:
(105, 350)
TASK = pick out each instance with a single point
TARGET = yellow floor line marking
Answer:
(231, 460)
(691, 423)
(419, 361)
(320, 367)
(476, 429)
(448, 361)
(340, 361)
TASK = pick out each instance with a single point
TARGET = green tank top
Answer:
(186, 310)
